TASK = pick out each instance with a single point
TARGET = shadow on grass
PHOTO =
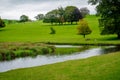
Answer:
(109, 38)
(60, 24)
(1, 30)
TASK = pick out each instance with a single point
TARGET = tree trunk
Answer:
(118, 35)
(84, 35)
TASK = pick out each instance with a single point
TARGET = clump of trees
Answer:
(24, 18)
(109, 10)
(2, 23)
(62, 15)
(83, 28)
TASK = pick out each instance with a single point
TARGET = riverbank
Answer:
(86, 43)
(12, 50)
(104, 67)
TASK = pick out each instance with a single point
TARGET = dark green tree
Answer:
(72, 14)
(52, 17)
(39, 17)
(109, 10)
(83, 28)
(24, 18)
(61, 13)
(52, 30)
(2, 23)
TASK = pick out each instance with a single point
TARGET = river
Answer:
(50, 59)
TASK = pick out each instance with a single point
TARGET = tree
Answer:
(24, 18)
(61, 13)
(83, 28)
(72, 14)
(2, 23)
(52, 30)
(40, 17)
(51, 17)
(110, 15)
(84, 11)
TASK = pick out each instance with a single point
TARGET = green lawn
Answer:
(105, 67)
(39, 32)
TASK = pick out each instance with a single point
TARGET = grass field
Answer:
(39, 32)
(105, 67)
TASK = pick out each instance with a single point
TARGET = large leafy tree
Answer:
(61, 13)
(109, 10)
(51, 17)
(72, 14)
(24, 18)
(2, 24)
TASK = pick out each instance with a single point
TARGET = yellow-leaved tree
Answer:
(83, 28)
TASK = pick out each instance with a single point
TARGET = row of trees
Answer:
(69, 14)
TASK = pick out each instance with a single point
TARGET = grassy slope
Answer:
(39, 32)
(105, 67)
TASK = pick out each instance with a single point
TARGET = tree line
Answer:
(60, 15)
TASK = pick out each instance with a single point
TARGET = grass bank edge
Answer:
(104, 67)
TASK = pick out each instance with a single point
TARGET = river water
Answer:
(50, 59)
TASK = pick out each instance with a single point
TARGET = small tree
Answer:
(83, 28)
(2, 24)
(52, 30)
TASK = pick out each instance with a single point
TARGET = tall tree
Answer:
(2, 23)
(109, 10)
(72, 14)
(51, 17)
(39, 16)
(61, 13)
(83, 28)
(84, 11)
(24, 18)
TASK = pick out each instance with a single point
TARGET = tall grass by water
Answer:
(9, 51)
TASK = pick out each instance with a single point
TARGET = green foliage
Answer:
(9, 51)
(61, 15)
(51, 17)
(52, 30)
(2, 23)
(83, 28)
(24, 18)
(110, 16)
(40, 17)
(72, 14)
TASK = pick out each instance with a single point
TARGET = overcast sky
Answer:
(13, 9)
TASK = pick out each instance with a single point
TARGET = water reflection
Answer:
(49, 59)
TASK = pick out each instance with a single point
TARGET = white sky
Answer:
(13, 9)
